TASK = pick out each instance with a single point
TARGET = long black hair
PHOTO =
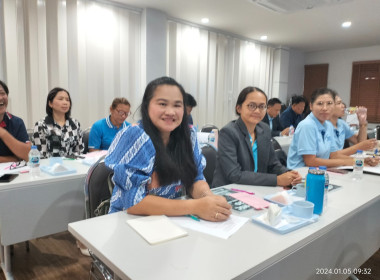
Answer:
(175, 161)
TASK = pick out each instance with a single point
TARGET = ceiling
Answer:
(309, 30)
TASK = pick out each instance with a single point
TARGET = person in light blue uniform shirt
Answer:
(103, 131)
(343, 132)
(313, 143)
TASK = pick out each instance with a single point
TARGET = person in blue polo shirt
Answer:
(343, 132)
(313, 143)
(14, 140)
(104, 130)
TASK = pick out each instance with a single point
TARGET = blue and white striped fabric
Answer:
(131, 156)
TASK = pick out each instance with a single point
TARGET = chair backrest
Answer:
(281, 156)
(30, 132)
(209, 153)
(98, 187)
(86, 136)
(208, 128)
(275, 144)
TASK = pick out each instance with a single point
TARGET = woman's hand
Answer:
(371, 161)
(361, 112)
(289, 178)
(368, 144)
(213, 208)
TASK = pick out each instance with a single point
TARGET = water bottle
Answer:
(291, 130)
(315, 189)
(211, 138)
(34, 162)
(327, 181)
(377, 133)
(357, 173)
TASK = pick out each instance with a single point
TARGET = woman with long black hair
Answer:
(159, 160)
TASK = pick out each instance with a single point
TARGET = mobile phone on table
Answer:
(7, 178)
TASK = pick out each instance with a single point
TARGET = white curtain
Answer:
(214, 68)
(92, 49)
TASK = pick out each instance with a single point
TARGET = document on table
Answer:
(367, 169)
(5, 168)
(219, 229)
(156, 229)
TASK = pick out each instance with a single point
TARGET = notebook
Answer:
(156, 229)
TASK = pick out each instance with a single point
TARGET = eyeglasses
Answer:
(16, 165)
(254, 106)
(122, 113)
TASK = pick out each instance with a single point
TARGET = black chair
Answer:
(280, 154)
(208, 128)
(275, 144)
(209, 153)
(86, 136)
(98, 191)
(282, 157)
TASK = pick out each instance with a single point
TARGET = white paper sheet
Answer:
(4, 169)
(370, 169)
(219, 229)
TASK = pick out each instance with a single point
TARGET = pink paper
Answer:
(252, 200)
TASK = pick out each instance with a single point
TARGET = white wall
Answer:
(296, 73)
(340, 66)
(280, 73)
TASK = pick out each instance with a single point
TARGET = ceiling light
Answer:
(205, 20)
(264, 37)
(346, 24)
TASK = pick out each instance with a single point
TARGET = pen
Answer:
(194, 217)
(238, 190)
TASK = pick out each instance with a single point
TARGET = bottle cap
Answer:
(34, 147)
(323, 167)
(359, 151)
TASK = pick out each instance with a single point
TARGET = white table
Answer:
(346, 235)
(284, 142)
(36, 207)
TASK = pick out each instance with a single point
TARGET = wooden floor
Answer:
(57, 257)
(54, 257)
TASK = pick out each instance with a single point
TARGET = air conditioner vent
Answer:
(291, 6)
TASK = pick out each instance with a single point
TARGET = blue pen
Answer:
(194, 217)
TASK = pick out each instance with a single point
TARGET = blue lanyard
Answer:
(254, 151)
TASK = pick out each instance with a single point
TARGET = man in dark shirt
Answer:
(272, 118)
(190, 104)
(14, 140)
(293, 114)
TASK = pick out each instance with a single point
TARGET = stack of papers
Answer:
(156, 229)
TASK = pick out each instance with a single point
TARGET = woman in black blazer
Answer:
(245, 153)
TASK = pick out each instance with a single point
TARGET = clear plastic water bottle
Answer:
(291, 130)
(327, 182)
(34, 161)
(211, 138)
(357, 173)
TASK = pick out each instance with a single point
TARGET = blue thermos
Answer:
(315, 189)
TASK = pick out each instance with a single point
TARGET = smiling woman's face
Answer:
(166, 108)
(251, 117)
